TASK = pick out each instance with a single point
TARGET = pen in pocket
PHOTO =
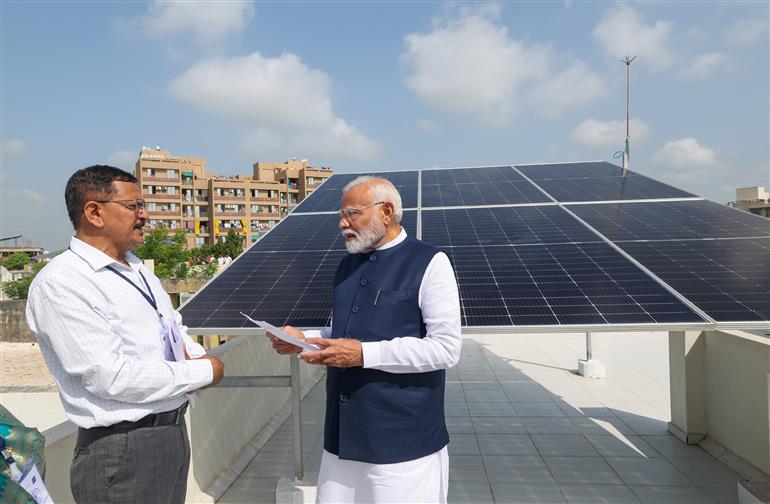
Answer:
(379, 291)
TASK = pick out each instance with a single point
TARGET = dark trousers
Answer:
(144, 465)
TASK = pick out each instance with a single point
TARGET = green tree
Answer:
(168, 252)
(18, 289)
(233, 244)
(16, 261)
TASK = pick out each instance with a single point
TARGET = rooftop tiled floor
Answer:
(526, 429)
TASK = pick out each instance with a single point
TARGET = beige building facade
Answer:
(753, 199)
(181, 194)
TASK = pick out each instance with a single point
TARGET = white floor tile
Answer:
(623, 446)
(523, 469)
(582, 470)
(656, 494)
(642, 471)
(526, 493)
(598, 494)
(563, 446)
(506, 444)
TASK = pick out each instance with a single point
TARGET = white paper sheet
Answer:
(288, 338)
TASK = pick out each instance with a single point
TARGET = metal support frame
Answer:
(296, 415)
(293, 381)
(589, 349)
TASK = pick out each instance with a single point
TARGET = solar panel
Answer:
(286, 277)
(477, 186)
(327, 197)
(671, 220)
(502, 226)
(597, 182)
(566, 284)
(520, 256)
(727, 279)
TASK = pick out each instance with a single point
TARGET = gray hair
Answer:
(381, 190)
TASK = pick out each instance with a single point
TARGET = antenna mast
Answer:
(626, 153)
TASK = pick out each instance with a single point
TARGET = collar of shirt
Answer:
(395, 241)
(98, 259)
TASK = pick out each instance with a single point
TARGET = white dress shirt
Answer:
(439, 301)
(102, 339)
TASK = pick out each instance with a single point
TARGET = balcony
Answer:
(161, 213)
(271, 201)
(151, 178)
(217, 197)
(224, 230)
(229, 214)
(265, 215)
(161, 196)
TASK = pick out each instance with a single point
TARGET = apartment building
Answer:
(753, 199)
(181, 194)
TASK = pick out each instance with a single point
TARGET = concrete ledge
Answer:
(754, 492)
(291, 491)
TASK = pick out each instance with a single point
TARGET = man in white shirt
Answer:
(117, 349)
(395, 330)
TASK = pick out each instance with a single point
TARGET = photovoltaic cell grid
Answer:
(596, 182)
(286, 277)
(676, 220)
(327, 197)
(728, 279)
(524, 265)
(559, 285)
(475, 227)
(477, 186)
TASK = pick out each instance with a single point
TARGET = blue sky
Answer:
(378, 86)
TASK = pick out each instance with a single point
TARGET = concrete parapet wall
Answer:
(13, 322)
(720, 391)
(225, 421)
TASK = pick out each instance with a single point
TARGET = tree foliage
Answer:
(173, 260)
(168, 252)
(16, 261)
(18, 289)
(233, 245)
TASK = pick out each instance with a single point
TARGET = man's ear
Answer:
(388, 211)
(92, 214)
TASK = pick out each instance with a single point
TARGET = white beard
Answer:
(366, 238)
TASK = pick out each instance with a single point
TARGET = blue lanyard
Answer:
(149, 297)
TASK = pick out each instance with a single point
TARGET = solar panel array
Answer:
(559, 245)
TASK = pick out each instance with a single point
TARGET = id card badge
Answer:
(32, 482)
(176, 341)
(165, 336)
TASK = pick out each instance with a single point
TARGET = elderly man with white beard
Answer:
(395, 330)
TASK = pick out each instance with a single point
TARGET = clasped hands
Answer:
(342, 352)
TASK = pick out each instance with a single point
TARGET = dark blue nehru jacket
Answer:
(373, 416)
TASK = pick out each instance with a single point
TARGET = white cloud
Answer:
(689, 165)
(123, 159)
(622, 31)
(468, 66)
(573, 87)
(31, 195)
(209, 23)
(703, 66)
(283, 103)
(746, 32)
(686, 153)
(14, 147)
(428, 125)
(595, 133)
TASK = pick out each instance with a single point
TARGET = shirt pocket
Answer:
(385, 298)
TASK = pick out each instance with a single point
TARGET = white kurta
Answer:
(424, 479)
